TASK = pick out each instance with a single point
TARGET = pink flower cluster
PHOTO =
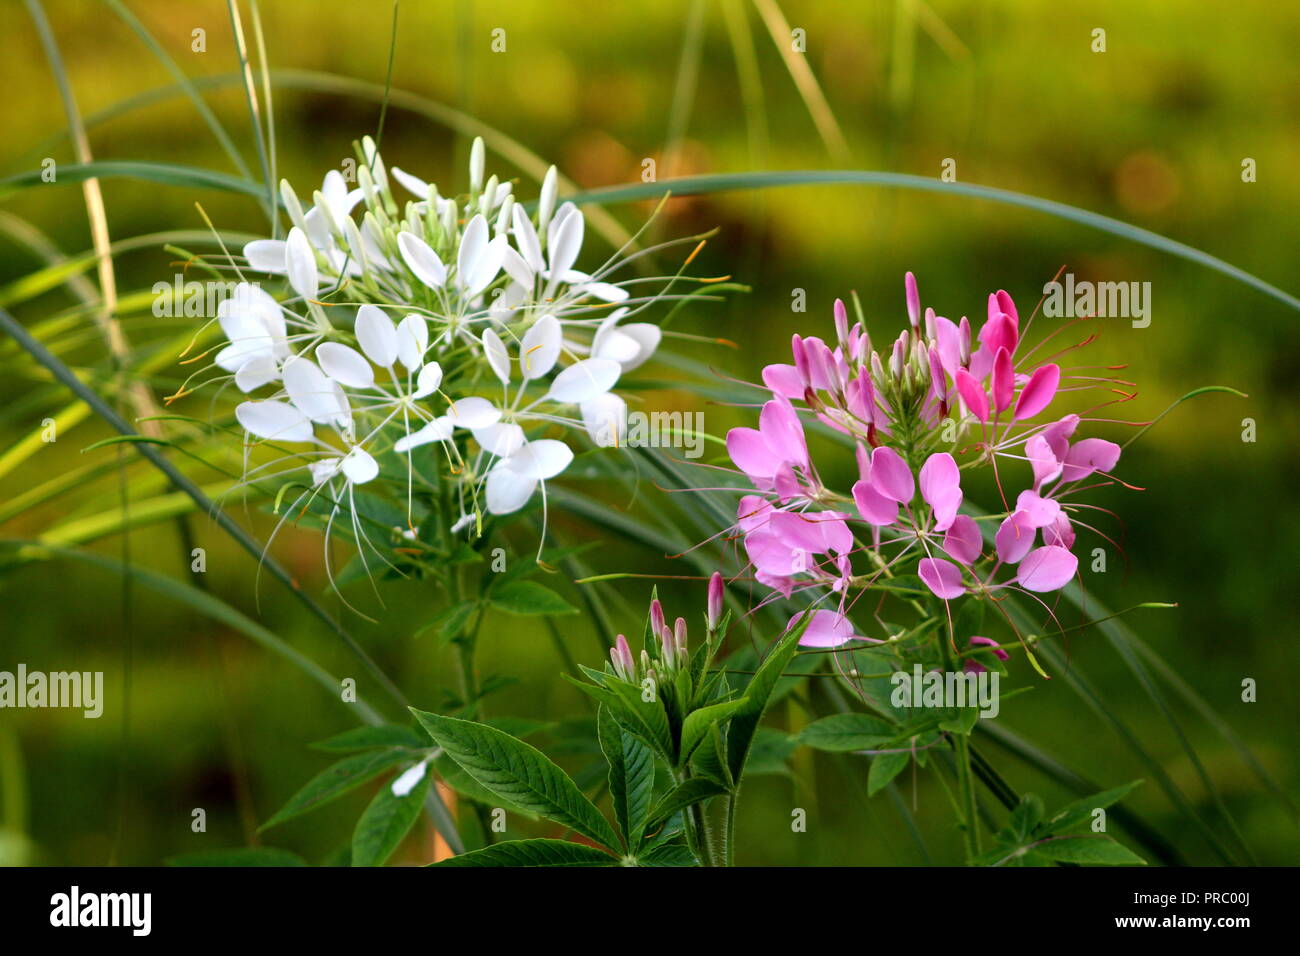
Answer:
(931, 390)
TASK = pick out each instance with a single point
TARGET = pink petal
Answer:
(783, 431)
(1038, 391)
(752, 455)
(942, 577)
(997, 652)
(753, 512)
(1058, 434)
(963, 541)
(1059, 532)
(1008, 308)
(999, 332)
(972, 393)
(941, 488)
(938, 378)
(1044, 461)
(947, 339)
(826, 629)
(1047, 569)
(890, 475)
(1089, 455)
(874, 507)
(1014, 538)
(1004, 379)
(1039, 511)
(783, 380)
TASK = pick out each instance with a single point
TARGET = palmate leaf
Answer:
(631, 776)
(533, 853)
(385, 823)
(847, 732)
(518, 772)
(698, 722)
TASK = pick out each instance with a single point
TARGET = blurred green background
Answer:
(1153, 131)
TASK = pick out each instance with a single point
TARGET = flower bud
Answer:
(913, 300)
(841, 321)
(714, 611)
(620, 656)
(679, 638)
(476, 165)
(656, 618)
(546, 200)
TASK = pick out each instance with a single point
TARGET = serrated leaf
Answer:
(334, 781)
(372, 738)
(689, 792)
(840, 733)
(529, 599)
(884, 768)
(1088, 850)
(1072, 814)
(669, 854)
(518, 772)
(386, 821)
(698, 722)
(631, 776)
(238, 856)
(744, 723)
(533, 853)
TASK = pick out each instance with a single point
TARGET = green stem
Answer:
(729, 830)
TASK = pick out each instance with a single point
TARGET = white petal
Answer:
(517, 268)
(345, 365)
(585, 380)
(473, 412)
(300, 264)
(359, 466)
(489, 265)
(265, 255)
(323, 470)
(407, 780)
(508, 490)
(310, 390)
(541, 459)
(605, 291)
(412, 340)
(440, 429)
(276, 420)
(526, 239)
(472, 246)
(376, 335)
(461, 523)
(427, 382)
(541, 347)
(648, 335)
(256, 372)
(564, 238)
(605, 418)
(497, 356)
(422, 260)
(413, 183)
(502, 439)
(617, 345)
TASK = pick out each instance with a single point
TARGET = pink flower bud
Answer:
(620, 656)
(715, 600)
(913, 300)
(679, 638)
(841, 321)
(656, 618)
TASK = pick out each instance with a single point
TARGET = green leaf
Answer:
(845, 732)
(371, 738)
(518, 772)
(385, 823)
(238, 856)
(166, 174)
(1072, 814)
(669, 854)
(451, 621)
(689, 792)
(744, 723)
(334, 781)
(699, 721)
(1095, 850)
(529, 599)
(884, 768)
(1026, 815)
(533, 853)
(631, 775)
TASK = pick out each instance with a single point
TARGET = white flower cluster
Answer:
(439, 320)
